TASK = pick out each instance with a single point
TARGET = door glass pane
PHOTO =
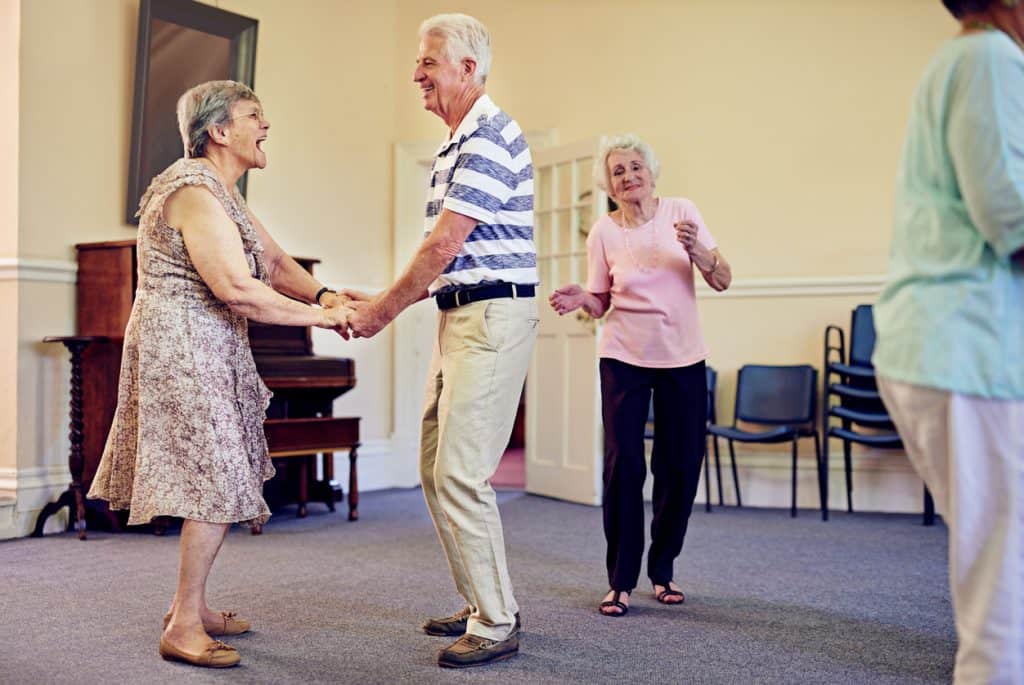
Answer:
(564, 192)
(580, 265)
(542, 233)
(564, 275)
(544, 275)
(565, 231)
(584, 222)
(542, 189)
(584, 178)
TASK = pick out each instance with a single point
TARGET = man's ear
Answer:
(468, 67)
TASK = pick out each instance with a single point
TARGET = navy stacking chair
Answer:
(851, 399)
(782, 399)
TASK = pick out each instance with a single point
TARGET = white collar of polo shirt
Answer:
(484, 107)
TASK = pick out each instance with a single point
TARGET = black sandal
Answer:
(614, 602)
(669, 592)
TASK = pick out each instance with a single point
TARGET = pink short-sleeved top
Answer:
(653, 320)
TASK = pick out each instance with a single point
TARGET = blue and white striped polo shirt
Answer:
(484, 171)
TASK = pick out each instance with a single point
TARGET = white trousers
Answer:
(479, 364)
(970, 453)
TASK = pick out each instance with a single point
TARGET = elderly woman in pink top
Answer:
(641, 262)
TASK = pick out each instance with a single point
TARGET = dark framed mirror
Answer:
(181, 44)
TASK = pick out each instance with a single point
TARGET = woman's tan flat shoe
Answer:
(217, 655)
(231, 625)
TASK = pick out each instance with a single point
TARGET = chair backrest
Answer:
(712, 378)
(779, 395)
(862, 335)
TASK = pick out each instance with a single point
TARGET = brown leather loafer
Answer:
(473, 650)
(231, 624)
(455, 625)
(217, 655)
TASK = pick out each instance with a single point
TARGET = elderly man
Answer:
(479, 263)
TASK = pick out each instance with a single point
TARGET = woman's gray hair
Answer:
(204, 105)
(464, 36)
(624, 143)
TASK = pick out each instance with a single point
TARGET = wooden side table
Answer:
(73, 498)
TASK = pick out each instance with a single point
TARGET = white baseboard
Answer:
(24, 493)
(381, 464)
(883, 481)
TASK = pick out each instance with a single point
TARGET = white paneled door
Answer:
(563, 415)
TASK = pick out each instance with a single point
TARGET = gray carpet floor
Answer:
(860, 599)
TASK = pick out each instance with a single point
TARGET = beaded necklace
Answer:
(655, 250)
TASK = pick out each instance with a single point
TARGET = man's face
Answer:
(439, 79)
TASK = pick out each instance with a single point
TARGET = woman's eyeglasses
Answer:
(256, 116)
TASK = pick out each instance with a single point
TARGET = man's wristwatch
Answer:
(325, 289)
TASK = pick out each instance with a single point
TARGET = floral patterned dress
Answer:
(187, 438)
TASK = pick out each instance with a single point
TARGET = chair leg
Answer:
(735, 477)
(707, 477)
(848, 465)
(792, 505)
(718, 472)
(824, 477)
(929, 508)
(822, 499)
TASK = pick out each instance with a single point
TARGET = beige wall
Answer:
(782, 120)
(10, 24)
(326, 192)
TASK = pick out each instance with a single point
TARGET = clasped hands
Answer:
(352, 313)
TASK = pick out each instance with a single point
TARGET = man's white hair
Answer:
(625, 143)
(463, 37)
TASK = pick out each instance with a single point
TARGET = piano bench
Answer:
(307, 437)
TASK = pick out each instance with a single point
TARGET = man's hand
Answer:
(347, 295)
(367, 319)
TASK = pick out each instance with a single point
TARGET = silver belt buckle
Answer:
(457, 293)
(515, 291)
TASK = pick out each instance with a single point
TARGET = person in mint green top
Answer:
(950, 323)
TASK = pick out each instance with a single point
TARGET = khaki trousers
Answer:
(476, 376)
(970, 452)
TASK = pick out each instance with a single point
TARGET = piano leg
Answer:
(353, 485)
(328, 469)
(304, 485)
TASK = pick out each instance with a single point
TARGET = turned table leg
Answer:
(74, 496)
(353, 485)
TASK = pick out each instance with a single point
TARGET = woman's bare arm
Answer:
(216, 250)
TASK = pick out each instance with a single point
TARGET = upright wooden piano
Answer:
(299, 422)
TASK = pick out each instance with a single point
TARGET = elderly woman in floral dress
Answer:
(187, 438)
(641, 262)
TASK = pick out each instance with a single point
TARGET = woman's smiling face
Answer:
(629, 177)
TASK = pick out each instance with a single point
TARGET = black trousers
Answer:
(680, 419)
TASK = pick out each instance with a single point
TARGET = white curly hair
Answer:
(628, 142)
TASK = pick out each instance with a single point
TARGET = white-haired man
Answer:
(479, 262)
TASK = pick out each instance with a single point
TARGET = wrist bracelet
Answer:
(713, 266)
(320, 293)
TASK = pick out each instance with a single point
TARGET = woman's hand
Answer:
(336, 318)
(568, 298)
(686, 234)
